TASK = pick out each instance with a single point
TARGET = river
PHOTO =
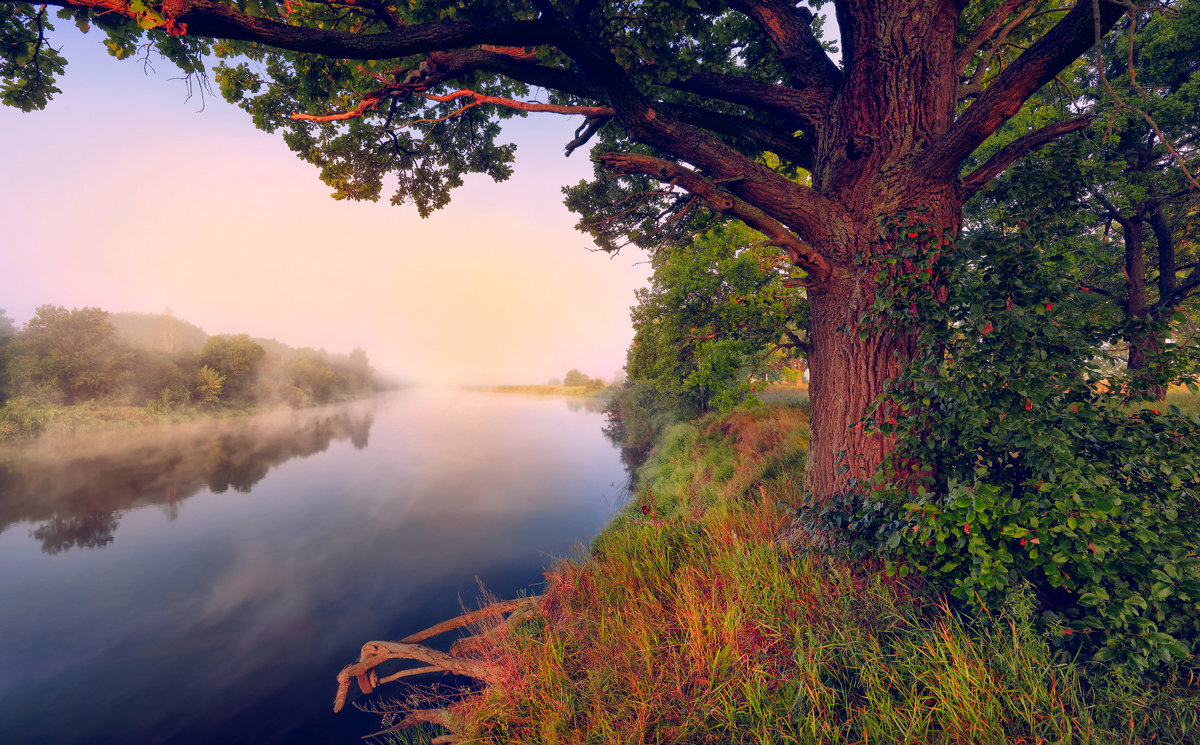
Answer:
(204, 582)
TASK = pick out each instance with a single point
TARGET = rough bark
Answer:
(849, 365)
(846, 373)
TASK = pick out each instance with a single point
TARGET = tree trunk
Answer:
(1143, 346)
(848, 370)
(847, 373)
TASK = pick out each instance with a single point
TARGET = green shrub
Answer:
(1017, 461)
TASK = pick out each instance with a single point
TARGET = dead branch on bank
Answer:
(467, 658)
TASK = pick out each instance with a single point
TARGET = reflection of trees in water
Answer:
(632, 456)
(62, 532)
(591, 404)
(78, 492)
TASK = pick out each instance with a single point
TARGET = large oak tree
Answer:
(697, 108)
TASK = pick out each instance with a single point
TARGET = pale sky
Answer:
(121, 195)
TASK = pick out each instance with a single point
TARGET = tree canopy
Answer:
(1119, 203)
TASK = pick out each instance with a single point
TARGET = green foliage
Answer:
(7, 328)
(574, 377)
(715, 314)
(66, 355)
(210, 384)
(237, 359)
(1112, 197)
(1019, 461)
(28, 65)
(66, 361)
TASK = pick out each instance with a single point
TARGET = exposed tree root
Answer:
(418, 717)
(467, 658)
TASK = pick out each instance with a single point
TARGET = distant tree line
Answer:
(576, 379)
(67, 357)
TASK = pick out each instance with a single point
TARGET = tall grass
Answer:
(691, 621)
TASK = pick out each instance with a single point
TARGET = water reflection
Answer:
(223, 617)
(591, 404)
(75, 491)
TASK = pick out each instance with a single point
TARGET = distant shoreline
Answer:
(34, 422)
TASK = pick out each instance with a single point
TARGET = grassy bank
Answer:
(693, 619)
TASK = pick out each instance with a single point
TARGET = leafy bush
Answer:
(638, 413)
(1016, 461)
(574, 377)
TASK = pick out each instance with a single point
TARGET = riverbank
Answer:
(694, 618)
(22, 420)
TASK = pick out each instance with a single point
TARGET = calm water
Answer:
(204, 583)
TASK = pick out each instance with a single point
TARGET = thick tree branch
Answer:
(443, 67)
(1048, 56)
(585, 132)
(797, 206)
(1168, 280)
(996, 46)
(1010, 153)
(984, 31)
(509, 103)
(799, 252)
(376, 653)
(768, 138)
(802, 109)
(522, 68)
(448, 66)
(215, 19)
(789, 29)
(796, 341)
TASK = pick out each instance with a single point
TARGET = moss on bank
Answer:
(692, 620)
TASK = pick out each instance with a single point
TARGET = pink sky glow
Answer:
(121, 195)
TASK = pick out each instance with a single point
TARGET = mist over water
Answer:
(204, 583)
